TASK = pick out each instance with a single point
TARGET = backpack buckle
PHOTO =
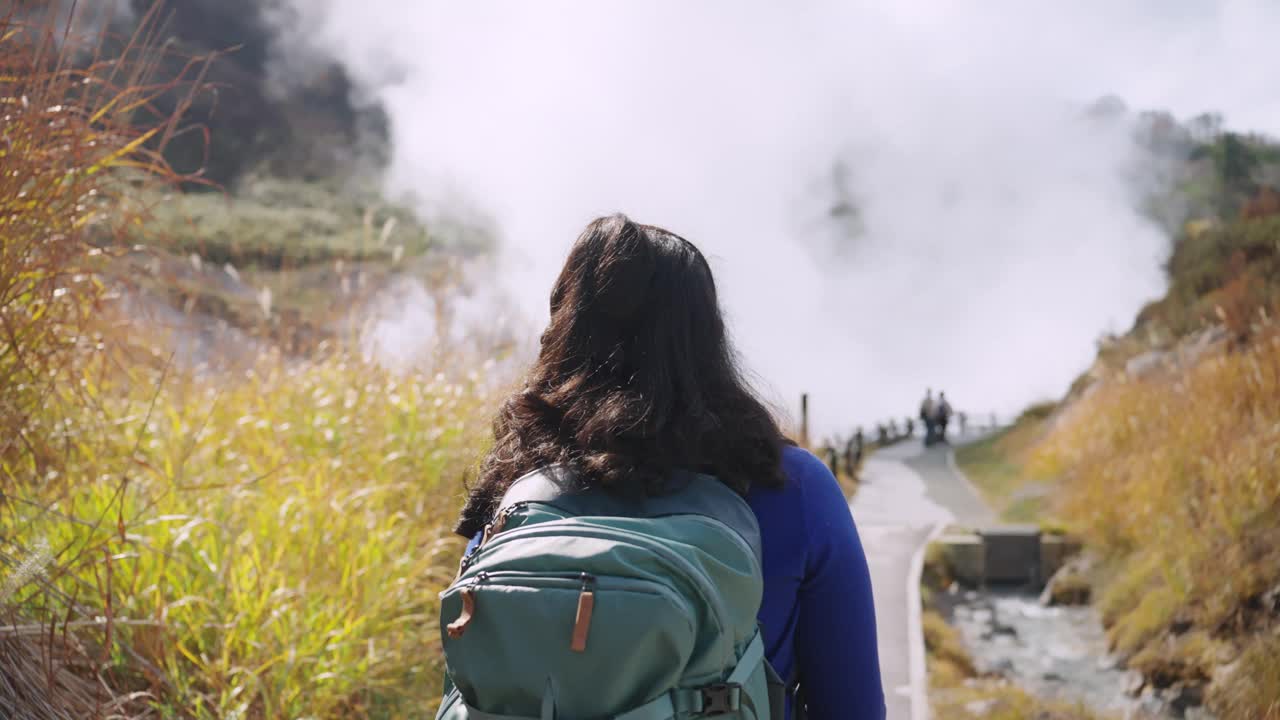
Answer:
(721, 698)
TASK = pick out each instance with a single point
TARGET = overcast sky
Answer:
(997, 237)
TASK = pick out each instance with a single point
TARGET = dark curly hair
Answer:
(635, 378)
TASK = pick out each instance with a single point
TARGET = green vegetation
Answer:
(1221, 274)
(284, 261)
(997, 466)
(271, 225)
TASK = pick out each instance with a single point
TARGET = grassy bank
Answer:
(1173, 479)
(1170, 478)
(997, 467)
(1163, 459)
(267, 545)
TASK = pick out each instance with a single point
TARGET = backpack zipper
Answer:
(702, 582)
(586, 584)
(569, 581)
(495, 526)
(491, 528)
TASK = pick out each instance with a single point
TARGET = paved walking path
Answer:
(907, 493)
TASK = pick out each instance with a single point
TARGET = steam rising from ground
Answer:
(983, 233)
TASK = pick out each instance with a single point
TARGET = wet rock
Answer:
(1068, 586)
(1003, 667)
(1135, 684)
(1192, 349)
(1055, 551)
(998, 628)
(979, 708)
(1150, 706)
(1145, 363)
(1060, 652)
(1271, 600)
(1183, 696)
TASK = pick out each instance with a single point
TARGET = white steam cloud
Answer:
(990, 235)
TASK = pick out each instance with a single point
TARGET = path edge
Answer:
(954, 467)
(918, 668)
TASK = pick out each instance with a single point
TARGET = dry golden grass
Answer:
(1175, 478)
(259, 544)
(1250, 690)
(262, 545)
(949, 662)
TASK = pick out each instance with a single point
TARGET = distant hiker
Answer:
(850, 457)
(911, 427)
(964, 420)
(833, 459)
(858, 445)
(642, 536)
(926, 416)
(882, 434)
(941, 415)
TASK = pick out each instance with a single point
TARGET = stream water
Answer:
(1056, 652)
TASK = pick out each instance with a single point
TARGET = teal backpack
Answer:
(588, 605)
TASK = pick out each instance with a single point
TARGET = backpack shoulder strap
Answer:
(687, 493)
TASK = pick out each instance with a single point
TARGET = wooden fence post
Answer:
(804, 420)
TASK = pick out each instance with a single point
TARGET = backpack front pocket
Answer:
(602, 642)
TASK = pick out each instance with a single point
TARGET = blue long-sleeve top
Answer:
(817, 616)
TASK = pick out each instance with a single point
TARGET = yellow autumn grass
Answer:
(181, 543)
(263, 545)
(1175, 479)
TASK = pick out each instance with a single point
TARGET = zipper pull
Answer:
(582, 623)
(459, 626)
(496, 525)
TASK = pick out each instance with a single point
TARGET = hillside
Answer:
(1162, 457)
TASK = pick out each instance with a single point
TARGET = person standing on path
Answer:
(942, 415)
(927, 416)
(635, 381)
